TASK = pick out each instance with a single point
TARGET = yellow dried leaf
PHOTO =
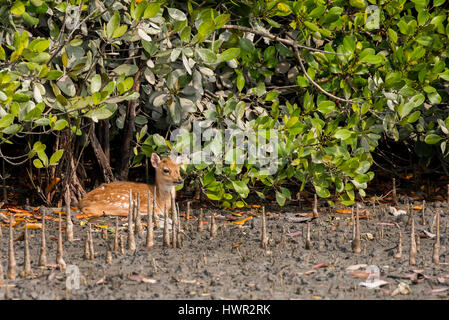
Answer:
(33, 226)
(101, 226)
(241, 222)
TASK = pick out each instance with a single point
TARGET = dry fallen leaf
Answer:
(101, 226)
(241, 222)
(293, 234)
(402, 288)
(310, 271)
(361, 274)
(33, 226)
(140, 278)
(395, 212)
(189, 281)
(148, 280)
(438, 290)
(236, 245)
(369, 236)
(426, 234)
(377, 283)
(343, 211)
(320, 265)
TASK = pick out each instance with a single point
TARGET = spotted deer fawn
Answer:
(113, 198)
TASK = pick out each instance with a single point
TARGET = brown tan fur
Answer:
(113, 198)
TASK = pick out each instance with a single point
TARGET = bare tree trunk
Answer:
(128, 130)
(103, 160)
(103, 135)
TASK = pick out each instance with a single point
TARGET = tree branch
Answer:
(291, 43)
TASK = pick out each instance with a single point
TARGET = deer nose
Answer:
(179, 181)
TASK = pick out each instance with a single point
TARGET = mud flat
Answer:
(233, 265)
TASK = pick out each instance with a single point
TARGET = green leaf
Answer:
(349, 43)
(125, 85)
(151, 10)
(3, 96)
(44, 158)
(99, 114)
(95, 83)
(342, 134)
(393, 35)
(286, 192)
(56, 157)
(326, 107)
(229, 54)
(372, 59)
(30, 20)
(60, 124)
(37, 163)
(432, 138)
(221, 20)
(66, 85)
(207, 55)
(271, 95)
(39, 45)
(359, 4)
(20, 97)
(414, 102)
(241, 188)
(205, 27)
(127, 69)
(187, 105)
(54, 75)
(112, 24)
(12, 129)
(272, 23)
(311, 26)
(246, 45)
(280, 198)
(322, 192)
(185, 34)
(39, 146)
(18, 8)
(317, 12)
(414, 117)
(159, 140)
(6, 120)
(240, 80)
(176, 14)
(213, 196)
(434, 97)
(208, 178)
(120, 31)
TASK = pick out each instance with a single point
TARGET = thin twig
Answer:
(291, 43)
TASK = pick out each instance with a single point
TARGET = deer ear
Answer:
(155, 160)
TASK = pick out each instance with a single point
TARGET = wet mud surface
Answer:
(233, 265)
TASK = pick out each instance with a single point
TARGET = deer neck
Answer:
(163, 194)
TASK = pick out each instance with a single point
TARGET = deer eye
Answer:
(166, 170)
